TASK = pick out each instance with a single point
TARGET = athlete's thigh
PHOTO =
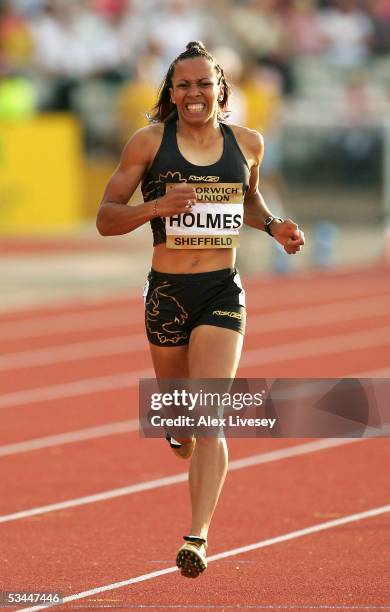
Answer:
(170, 361)
(214, 352)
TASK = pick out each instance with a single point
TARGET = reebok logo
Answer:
(204, 179)
(226, 313)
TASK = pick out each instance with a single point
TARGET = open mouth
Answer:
(195, 108)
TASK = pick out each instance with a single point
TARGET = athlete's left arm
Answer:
(286, 232)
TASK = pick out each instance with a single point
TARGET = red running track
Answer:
(70, 375)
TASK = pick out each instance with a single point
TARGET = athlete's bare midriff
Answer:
(176, 261)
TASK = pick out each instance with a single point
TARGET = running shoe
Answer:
(183, 449)
(191, 557)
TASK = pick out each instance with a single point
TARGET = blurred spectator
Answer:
(128, 26)
(73, 41)
(303, 24)
(29, 8)
(109, 8)
(264, 102)
(348, 33)
(262, 90)
(138, 96)
(15, 38)
(215, 18)
(104, 59)
(358, 144)
(380, 15)
(260, 29)
(261, 87)
(361, 101)
(173, 25)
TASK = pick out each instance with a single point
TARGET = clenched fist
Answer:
(178, 199)
(288, 234)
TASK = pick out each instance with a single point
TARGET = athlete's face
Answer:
(195, 90)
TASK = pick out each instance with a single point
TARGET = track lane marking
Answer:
(79, 435)
(340, 343)
(110, 316)
(75, 351)
(55, 324)
(296, 350)
(110, 429)
(75, 389)
(280, 320)
(286, 537)
(237, 464)
(382, 373)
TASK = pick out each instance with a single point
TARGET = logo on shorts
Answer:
(170, 331)
(227, 313)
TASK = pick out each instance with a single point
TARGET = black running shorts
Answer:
(177, 303)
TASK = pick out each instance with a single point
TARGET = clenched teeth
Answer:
(195, 108)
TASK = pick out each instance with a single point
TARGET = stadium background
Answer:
(84, 501)
(77, 77)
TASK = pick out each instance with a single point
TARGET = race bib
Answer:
(214, 221)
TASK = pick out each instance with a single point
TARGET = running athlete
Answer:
(199, 180)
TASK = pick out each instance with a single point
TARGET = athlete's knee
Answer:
(208, 443)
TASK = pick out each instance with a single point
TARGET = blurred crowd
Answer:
(104, 59)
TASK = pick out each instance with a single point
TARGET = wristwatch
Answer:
(268, 221)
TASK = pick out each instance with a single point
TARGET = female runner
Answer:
(200, 184)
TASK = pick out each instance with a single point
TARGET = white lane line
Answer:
(80, 435)
(296, 350)
(348, 310)
(382, 373)
(74, 351)
(39, 325)
(285, 537)
(71, 322)
(110, 429)
(75, 389)
(285, 319)
(293, 351)
(238, 464)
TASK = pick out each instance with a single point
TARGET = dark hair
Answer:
(164, 108)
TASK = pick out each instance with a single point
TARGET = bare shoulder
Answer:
(136, 157)
(250, 141)
(143, 144)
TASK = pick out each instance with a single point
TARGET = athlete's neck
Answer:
(202, 134)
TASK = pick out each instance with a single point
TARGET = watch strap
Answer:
(268, 221)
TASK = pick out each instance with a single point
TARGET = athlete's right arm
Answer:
(114, 217)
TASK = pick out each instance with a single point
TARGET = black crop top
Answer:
(169, 166)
